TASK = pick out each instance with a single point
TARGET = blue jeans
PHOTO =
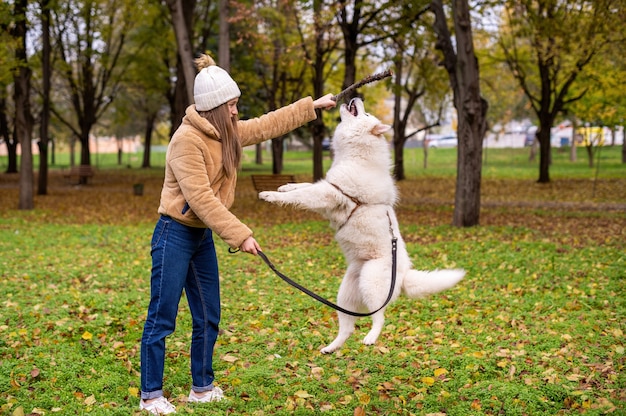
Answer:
(182, 258)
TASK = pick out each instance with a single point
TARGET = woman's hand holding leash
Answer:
(250, 245)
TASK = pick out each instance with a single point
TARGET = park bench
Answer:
(271, 182)
(82, 172)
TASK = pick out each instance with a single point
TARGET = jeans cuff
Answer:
(151, 394)
(202, 389)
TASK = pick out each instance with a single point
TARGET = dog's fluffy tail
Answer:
(418, 284)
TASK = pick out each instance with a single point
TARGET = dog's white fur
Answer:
(360, 175)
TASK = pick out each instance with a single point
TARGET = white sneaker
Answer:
(214, 395)
(159, 406)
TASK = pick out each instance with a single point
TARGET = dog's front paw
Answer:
(287, 187)
(268, 196)
(370, 339)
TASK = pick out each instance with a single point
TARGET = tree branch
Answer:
(367, 80)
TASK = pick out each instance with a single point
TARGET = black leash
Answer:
(394, 249)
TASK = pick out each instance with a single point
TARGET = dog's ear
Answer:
(380, 129)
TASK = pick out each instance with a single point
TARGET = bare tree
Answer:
(89, 40)
(462, 67)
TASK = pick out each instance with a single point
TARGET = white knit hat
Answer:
(213, 86)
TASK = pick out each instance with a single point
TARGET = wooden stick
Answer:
(369, 79)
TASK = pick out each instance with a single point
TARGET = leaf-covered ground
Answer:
(537, 326)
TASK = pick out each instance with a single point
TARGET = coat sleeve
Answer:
(189, 167)
(276, 123)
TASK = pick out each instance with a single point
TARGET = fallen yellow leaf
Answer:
(428, 380)
(302, 394)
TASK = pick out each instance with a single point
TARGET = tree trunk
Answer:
(471, 108)
(8, 138)
(85, 153)
(318, 129)
(23, 116)
(223, 51)
(398, 126)
(350, 30)
(590, 153)
(543, 136)
(258, 153)
(183, 40)
(42, 188)
(178, 100)
(148, 139)
(572, 149)
(277, 155)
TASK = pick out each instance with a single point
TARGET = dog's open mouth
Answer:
(352, 107)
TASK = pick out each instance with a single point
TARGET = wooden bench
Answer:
(82, 172)
(271, 182)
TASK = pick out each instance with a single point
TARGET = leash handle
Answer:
(394, 250)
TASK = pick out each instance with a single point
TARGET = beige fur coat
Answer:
(196, 192)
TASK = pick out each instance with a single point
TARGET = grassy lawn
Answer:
(536, 327)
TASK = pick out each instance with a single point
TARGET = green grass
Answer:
(536, 327)
(497, 163)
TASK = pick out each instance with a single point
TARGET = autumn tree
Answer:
(417, 77)
(604, 103)
(362, 24)
(146, 87)
(547, 46)
(460, 62)
(320, 49)
(507, 101)
(274, 70)
(89, 39)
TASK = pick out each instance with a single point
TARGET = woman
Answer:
(199, 187)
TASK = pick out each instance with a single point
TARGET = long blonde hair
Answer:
(226, 125)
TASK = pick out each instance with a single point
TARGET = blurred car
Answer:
(443, 141)
(529, 138)
(326, 144)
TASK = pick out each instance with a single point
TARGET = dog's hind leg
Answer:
(346, 328)
(374, 282)
(378, 321)
(348, 298)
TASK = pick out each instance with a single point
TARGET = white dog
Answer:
(358, 196)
